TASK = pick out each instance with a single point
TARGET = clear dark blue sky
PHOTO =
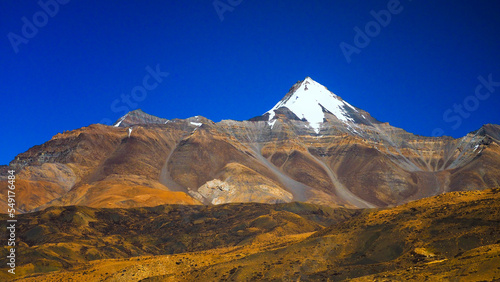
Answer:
(83, 57)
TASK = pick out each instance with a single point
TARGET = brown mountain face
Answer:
(311, 147)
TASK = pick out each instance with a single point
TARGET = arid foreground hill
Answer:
(312, 146)
(450, 237)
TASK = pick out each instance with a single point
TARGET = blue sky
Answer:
(236, 62)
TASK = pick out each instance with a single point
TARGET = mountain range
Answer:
(315, 189)
(312, 146)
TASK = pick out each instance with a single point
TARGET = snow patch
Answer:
(197, 123)
(271, 123)
(307, 102)
(120, 121)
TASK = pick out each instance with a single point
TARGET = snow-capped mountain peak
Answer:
(310, 100)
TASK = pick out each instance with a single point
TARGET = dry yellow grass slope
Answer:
(451, 237)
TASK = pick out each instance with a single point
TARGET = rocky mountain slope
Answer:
(312, 146)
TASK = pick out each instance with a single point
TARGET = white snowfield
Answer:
(306, 103)
(120, 121)
(196, 123)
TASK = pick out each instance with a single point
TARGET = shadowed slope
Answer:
(64, 237)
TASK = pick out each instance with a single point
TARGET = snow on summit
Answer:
(307, 102)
